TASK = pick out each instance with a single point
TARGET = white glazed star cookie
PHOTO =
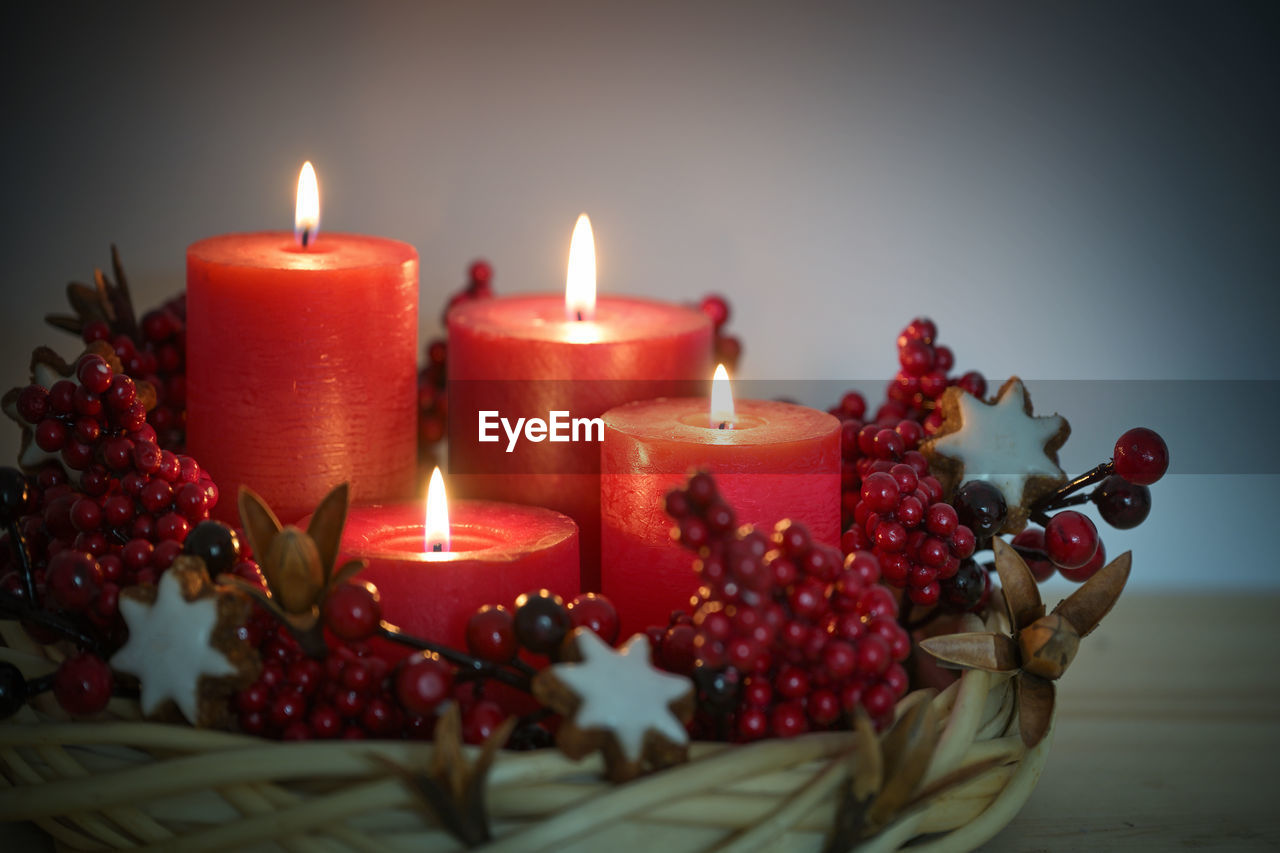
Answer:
(1001, 442)
(617, 702)
(182, 643)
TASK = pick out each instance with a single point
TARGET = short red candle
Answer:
(301, 367)
(778, 461)
(521, 356)
(498, 551)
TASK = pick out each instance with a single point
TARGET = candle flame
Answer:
(435, 529)
(306, 215)
(580, 287)
(722, 415)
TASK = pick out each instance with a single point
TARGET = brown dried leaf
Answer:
(908, 749)
(1035, 708)
(978, 650)
(1021, 594)
(87, 302)
(1085, 607)
(260, 523)
(448, 765)
(349, 569)
(326, 526)
(293, 571)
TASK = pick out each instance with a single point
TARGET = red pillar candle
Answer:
(528, 356)
(777, 461)
(496, 552)
(301, 366)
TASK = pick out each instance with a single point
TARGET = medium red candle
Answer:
(528, 356)
(492, 552)
(771, 461)
(301, 364)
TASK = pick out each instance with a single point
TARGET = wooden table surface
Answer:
(1168, 735)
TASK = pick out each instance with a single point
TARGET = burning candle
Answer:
(301, 362)
(771, 461)
(433, 569)
(527, 357)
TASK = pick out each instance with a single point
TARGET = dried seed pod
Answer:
(1048, 646)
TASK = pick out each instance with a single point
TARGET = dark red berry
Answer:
(353, 611)
(1089, 569)
(481, 720)
(491, 634)
(423, 682)
(1033, 538)
(82, 684)
(1141, 456)
(541, 621)
(1121, 503)
(1070, 539)
(592, 610)
(94, 373)
(981, 507)
(73, 578)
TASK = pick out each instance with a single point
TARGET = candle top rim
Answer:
(666, 418)
(278, 249)
(627, 318)
(370, 527)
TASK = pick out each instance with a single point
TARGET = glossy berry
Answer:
(1070, 539)
(481, 720)
(353, 611)
(94, 373)
(1121, 503)
(541, 621)
(13, 690)
(423, 682)
(216, 544)
(962, 592)
(82, 685)
(1089, 569)
(73, 579)
(981, 507)
(592, 610)
(491, 634)
(1141, 456)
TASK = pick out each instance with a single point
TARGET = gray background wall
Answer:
(1072, 191)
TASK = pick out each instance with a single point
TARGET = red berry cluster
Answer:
(118, 508)
(897, 510)
(1069, 541)
(159, 356)
(727, 348)
(433, 401)
(786, 636)
(922, 377)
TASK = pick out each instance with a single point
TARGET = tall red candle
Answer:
(777, 461)
(525, 357)
(301, 367)
(497, 552)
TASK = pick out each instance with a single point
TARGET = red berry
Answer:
(916, 358)
(480, 720)
(1122, 504)
(878, 700)
(50, 435)
(753, 724)
(941, 520)
(1141, 456)
(1070, 539)
(325, 722)
(973, 382)
(1089, 569)
(33, 403)
(592, 610)
(72, 579)
(82, 684)
(94, 373)
(716, 308)
(353, 611)
(156, 496)
(541, 621)
(677, 651)
(86, 515)
(491, 634)
(788, 720)
(423, 682)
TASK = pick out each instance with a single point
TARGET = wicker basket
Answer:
(128, 783)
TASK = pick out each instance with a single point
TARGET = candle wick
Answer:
(305, 237)
(579, 315)
(438, 547)
(724, 425)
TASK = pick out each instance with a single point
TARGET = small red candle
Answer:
(770, 460)
(489, 553)
(528, 356)
(301, 364)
